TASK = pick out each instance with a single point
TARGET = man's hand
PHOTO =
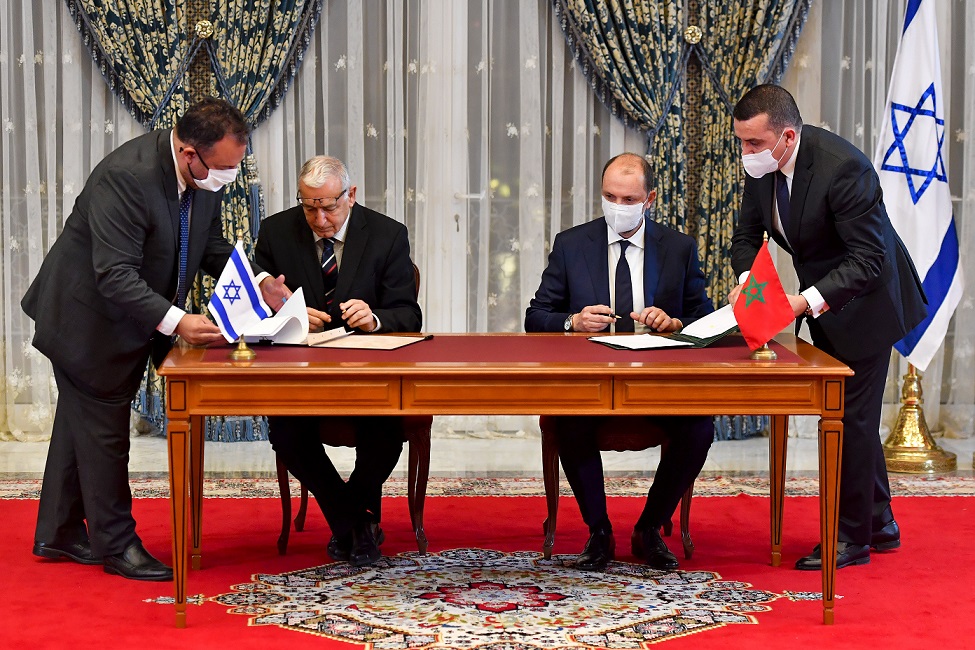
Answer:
(733, 296)
(357, 313)
(799, 304)
(275, 292)
(594, 318)
(196, 329)
(317, 319)
(657, 320)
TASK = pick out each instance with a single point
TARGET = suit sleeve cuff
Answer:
(817, 305)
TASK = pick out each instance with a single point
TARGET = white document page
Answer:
(290, 325)
(640, 341)
(717, 322)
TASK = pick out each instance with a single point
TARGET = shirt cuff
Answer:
(169, 322)
(260, 277)
(817, 305)
(743, 277)
(379, 323)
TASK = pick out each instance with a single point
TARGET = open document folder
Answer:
(699, 334)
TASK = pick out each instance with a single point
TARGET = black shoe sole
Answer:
(50, 553)
(151, 578)
(886, 546)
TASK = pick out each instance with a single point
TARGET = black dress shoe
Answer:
(365, 545)
(135, 563)
(846, 555)
(648, 545)
(339, 547)
(887, 538)
(79, 552)
(600, 550)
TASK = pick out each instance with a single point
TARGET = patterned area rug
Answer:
(706, 485)
(467, 598)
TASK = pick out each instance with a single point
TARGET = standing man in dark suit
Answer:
(820, 199)
(110, 292)
(354, 266)
(647, 275)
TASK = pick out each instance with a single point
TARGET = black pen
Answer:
(614, 316)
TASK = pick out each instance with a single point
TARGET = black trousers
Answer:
(379, 442)
(86, 478)
(689, 441)
(864, 487)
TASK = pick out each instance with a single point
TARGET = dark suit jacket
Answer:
(841, 242)
(578, 275)
(376, 266)
(111, 275)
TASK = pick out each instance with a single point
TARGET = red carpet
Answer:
(919, 594)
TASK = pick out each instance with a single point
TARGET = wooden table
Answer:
(513, 374)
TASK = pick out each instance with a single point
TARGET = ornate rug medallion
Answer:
(467, 598)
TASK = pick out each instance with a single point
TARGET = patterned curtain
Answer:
(253, 48)
(636, 55)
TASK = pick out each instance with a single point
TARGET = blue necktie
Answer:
(185, 202)
(330, 270)
(624, 292)
(782, 198)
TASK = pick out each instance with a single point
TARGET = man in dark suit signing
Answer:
(110, 292)
(820, 199)
(648, 275)
(355, 270)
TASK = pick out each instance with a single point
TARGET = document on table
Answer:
(640, 341)
(699, 334)
(366, 341)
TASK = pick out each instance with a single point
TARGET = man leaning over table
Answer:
(355, 270)
(110, 293)
(626, 273)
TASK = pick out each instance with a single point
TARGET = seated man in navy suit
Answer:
(355, 270)
(626, 273)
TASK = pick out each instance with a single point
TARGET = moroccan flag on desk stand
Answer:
(762, 310)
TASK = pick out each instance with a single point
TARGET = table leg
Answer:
(778, 443)
(177, 434)
(196, 487)
(830, 461)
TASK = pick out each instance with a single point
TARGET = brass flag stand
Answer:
(909, 448)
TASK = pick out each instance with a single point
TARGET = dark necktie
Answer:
(330, 270)
(624, 291)
(782, 198)
(185, 202)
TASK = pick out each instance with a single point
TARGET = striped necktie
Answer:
(185, 202)
(330, 270)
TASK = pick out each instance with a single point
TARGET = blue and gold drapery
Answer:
(143, 49)
(636, 55)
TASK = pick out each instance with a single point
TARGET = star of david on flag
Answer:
(910, 161)
(236, 303)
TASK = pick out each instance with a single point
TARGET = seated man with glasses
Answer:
(355, 269)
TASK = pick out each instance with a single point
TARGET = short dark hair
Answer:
(774, 101)
(207, 122)
(634, 160)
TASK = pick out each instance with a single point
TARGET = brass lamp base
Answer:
(242, 352)
(909, 448)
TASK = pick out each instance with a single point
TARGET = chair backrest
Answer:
(416, 277)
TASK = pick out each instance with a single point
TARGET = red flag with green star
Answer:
(762, 310)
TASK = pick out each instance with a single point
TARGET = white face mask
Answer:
(216, 179)
(622, 218)
(763, 162)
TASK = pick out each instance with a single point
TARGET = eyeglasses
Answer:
(329, 205)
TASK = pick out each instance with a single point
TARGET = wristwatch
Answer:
(567, 325)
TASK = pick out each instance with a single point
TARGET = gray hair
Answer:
(319, 169)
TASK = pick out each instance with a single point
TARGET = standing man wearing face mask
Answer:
(624, 273)
(820, 199)
(109, 294)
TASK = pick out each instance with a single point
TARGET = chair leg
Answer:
(302, 510)
(285, 489)
(685, 522)
(419, 471)
(550, 473)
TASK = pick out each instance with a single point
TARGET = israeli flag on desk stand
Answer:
(236, 303)
(910, 160)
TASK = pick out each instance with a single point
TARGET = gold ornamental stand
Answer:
(242, 353)
(764, 353)
(909, 448)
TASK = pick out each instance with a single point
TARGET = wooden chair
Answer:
(619, 433)
(340, 433)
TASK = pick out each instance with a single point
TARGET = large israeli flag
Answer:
(236, 304)
(910, 159)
